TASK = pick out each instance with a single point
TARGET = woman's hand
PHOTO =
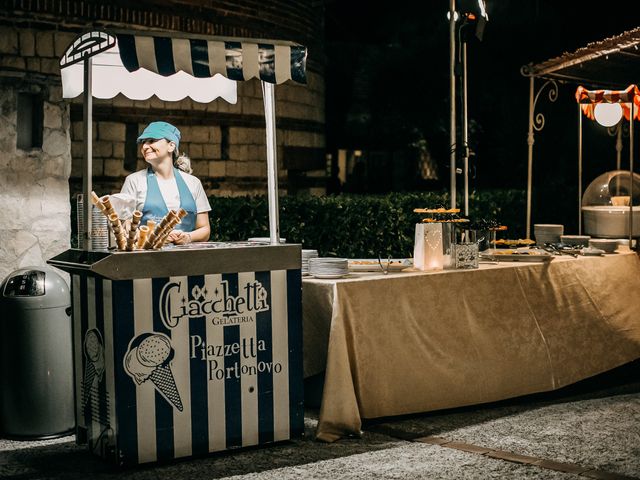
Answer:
(179, 237)
(126, 225)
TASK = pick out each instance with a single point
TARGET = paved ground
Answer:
(590, 430)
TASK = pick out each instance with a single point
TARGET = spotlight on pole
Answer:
(473, 14)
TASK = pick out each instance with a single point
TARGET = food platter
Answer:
(513, 243)
(518, 255)
(373, 265)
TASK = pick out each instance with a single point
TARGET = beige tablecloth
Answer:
(408, 343)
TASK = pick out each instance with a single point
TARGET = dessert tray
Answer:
(373, 265)
(517, 255)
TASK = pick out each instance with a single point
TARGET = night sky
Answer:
(387, 85)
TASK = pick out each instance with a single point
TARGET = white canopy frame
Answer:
(610, 63)
(203, 68)
(537, 123)
(609, 97)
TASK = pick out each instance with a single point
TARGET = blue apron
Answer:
(155, 208)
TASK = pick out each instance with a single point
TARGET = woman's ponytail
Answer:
(183, 163)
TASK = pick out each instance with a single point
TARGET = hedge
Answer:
(355, 226)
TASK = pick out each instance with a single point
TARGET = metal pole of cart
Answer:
(87, 158)
(272, 161)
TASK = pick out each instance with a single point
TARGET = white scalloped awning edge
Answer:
(110, 77)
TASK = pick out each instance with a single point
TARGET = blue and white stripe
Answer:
(219, 413)
(236, 60)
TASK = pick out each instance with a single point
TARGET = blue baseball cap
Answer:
(157, 130)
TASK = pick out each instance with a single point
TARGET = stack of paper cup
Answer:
(79, 219)
(99, 230)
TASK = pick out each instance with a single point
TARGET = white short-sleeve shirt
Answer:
(136, 186)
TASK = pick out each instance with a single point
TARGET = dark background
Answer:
(388, 87)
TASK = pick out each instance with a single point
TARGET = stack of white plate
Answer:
(606, 244)
(321, 267)
(575, 240)
(547, 233)
(306, 255)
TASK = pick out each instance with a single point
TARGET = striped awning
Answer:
(607, 96)
(172, 68)
(236, 59)
(589, 98)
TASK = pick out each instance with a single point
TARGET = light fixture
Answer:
(476, 8)
(473, 14)
(483, 9)
(607, 114)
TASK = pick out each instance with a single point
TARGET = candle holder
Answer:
(467, 248)
(428, 252)
(466, 255)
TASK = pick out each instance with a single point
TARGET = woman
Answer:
(167, 184)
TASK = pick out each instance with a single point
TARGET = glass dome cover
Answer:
(612, 189)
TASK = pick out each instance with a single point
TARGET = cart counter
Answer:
(186, 351)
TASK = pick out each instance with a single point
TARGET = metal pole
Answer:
(529, 157)
(87, 158)
(631, 114)
(272, 161)
(465, 128)
(452, 98)
(619, 146)
(579, 170)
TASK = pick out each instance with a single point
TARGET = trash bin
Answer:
(36, 355)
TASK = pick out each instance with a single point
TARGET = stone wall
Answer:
(226, 142)
(34, 189)
(233, 166)
(34, 186)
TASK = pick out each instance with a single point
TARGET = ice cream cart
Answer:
(184, 350)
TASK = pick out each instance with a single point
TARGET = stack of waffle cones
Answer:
(135, 236)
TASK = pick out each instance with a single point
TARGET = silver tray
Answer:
(519, 256)
(373, 265)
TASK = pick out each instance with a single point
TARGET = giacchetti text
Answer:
(215, 303)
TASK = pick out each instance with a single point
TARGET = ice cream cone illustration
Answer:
(162, 378)
(89, 376)
(94, 365)
(149, 358)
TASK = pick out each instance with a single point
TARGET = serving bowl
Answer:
(605, 244)
(575, 240)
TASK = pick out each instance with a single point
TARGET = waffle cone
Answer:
(162, 378)
(89, 375)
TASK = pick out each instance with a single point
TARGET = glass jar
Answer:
(466, 255)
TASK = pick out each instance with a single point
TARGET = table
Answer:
(415, 342)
